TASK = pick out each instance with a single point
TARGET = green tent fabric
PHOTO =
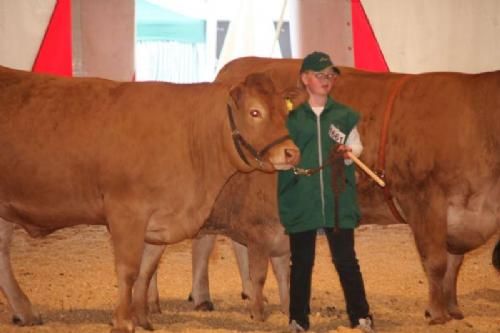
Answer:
(154, 22)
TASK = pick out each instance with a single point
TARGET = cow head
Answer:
(257, 114)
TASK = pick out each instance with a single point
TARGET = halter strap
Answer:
(389, 198)
(240, 142)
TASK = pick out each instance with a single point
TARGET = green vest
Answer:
(307, 202)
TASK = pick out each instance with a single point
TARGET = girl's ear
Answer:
(303, 79)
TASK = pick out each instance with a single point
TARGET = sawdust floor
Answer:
(70, 278)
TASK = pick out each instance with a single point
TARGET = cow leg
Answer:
(258, 264)
(281, 269)
(450, 285)
(127, 235)
(17, 299)
(241, 254)
(429, 231)
(154, 295)
(202, 247)
(150, 258)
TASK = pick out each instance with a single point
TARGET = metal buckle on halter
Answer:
(258, 160)
(301, 172)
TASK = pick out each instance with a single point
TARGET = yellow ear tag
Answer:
(289, 105)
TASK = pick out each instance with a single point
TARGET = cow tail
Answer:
(495, 259)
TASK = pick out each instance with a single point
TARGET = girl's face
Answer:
(319, 83)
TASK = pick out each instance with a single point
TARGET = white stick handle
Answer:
(366, 169)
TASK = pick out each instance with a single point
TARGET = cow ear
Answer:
(296, 95)
(236, 94)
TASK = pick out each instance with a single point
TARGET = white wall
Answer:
(322, 25)
(22, 27)
(103, 38)
(437, 35)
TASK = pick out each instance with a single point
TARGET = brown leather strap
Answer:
(389, 198)
(240, 142)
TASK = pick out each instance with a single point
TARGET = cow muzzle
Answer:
(286, 158)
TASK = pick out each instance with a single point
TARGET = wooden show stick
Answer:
(366, 169)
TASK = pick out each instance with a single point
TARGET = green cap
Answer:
(316, 62)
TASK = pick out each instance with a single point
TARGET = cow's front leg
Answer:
(201, 248)
(450, 285)
(24, 315)
(127, 235)
(281, 269)
(258, 264)
(149, 264)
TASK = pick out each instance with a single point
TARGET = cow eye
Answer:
(255, 113)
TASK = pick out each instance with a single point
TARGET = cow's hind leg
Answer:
(281, 269)
(17, 299)
(450, 285)
(149, 264)
(428, 222)
(154, 294)
(201, 249)
(241, 254)
(495, 256)
(258, 264)
(431, 244)
(127, 228)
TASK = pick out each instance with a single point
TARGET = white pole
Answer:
(278, 27)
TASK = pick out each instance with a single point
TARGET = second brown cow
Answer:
(441, 159)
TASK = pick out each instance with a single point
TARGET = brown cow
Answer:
(252, 280)
(245, 212)
(442, 159)
(132, 156)
(24, 314)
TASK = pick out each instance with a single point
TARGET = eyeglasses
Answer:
(325, 76)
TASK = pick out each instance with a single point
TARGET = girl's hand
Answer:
(344, 149)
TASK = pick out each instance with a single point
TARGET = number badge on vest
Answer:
(336, 134)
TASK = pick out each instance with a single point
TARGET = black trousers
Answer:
(341, 243)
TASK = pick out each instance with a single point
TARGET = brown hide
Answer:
(441, 122)
(69, 144)
(133, 156)
(245, 211)
(442, 160)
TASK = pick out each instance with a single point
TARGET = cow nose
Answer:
(292, 156)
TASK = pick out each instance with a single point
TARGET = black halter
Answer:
(241, 143)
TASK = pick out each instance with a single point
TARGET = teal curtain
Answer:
(156, 23)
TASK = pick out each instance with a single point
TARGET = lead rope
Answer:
(338, 181)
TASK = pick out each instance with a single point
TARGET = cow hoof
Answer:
(456, 314)
(439, 320)
(190, 298)
(146, 325)
(205, 306)
(122, 330)
(30, 321)
(244, 296)
(258, 317)
(143, 321)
